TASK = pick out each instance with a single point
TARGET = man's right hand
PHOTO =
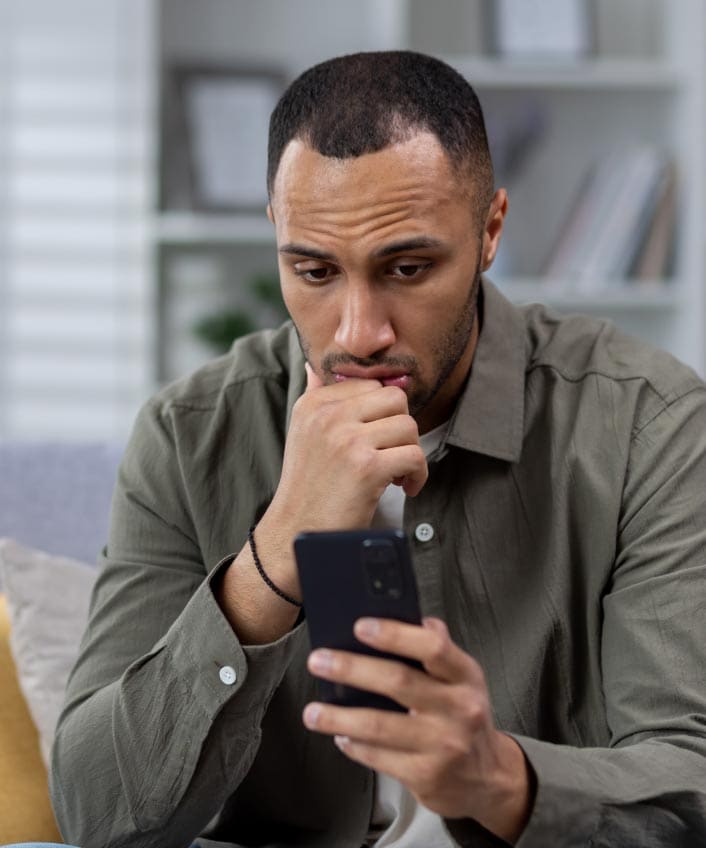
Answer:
(346, 443)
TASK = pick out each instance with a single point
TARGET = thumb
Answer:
(313, 381)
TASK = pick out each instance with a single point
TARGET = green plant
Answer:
(264, 308)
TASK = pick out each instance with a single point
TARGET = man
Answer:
(550, 473)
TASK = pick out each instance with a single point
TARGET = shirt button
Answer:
(227, 675)
(424, 532)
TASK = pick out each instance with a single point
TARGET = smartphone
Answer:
(344, 576)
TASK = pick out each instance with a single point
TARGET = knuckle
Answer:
(410, 431)
(326, 415)
(365, 461)
(376, 725)
(400, 678)
(439, 646)
(343, 664)
(473, 712)
(454, 745)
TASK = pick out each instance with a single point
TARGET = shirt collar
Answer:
(489, 416)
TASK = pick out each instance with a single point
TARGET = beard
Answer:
(446, 352)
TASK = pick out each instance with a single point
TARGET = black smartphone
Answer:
(344, 576)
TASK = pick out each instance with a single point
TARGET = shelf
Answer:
(620, 296)
(589, 74)
(212, 228)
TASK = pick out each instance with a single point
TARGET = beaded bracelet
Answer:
(261, 571)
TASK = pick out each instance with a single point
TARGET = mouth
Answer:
(386, 376)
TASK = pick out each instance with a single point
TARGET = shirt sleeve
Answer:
(648, 787)
(164, 706)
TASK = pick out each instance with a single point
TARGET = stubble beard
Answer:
(447, 353)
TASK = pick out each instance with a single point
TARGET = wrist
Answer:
(265, 576)
(274, 541)
(512, 796)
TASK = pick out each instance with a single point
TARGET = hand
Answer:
(445, 750)
(346, 443)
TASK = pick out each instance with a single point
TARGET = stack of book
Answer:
(621, 224)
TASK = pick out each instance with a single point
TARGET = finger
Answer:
(339, 391)
(387, 402)
(398, 731)
(430, 644)
(313, 381)
(413, 484)
(408, 464)
(401, 765)
(369, 401)
(393, 431)
(408, 686)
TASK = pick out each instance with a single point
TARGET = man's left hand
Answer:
(446, 749)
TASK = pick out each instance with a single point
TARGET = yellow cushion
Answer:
(25, 811)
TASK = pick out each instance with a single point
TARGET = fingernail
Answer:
(342, 742)
(321, 660)
(311, 715)
(367, 627)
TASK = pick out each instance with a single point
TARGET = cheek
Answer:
(308, 311)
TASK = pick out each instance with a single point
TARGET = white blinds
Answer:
(76, 119)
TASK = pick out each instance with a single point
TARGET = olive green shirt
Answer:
(568, 504)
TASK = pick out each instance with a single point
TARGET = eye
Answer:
(409, 270)
(312, 273)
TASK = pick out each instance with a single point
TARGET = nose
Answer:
(364, 326)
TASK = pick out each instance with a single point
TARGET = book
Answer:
(591, 202)
(653, 259)
(611, 219)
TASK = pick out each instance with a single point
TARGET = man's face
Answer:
(379, 260)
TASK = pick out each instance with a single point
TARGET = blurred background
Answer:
(133, 237)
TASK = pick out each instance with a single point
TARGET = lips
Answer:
(386, 376)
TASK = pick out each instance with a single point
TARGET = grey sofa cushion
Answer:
(56, 497)
(47, 601)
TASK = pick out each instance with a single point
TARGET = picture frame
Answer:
(225, 114)
(543, 29)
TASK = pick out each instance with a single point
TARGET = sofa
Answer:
(54, 512)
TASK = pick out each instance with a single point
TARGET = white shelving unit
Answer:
(645, 83)
(99, 289)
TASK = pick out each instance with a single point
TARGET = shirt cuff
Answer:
(563, 799)
(210, 659)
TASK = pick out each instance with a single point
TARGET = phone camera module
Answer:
(382, 569)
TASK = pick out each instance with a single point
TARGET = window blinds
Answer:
(76, 173)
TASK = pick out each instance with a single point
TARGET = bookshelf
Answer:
(645, 83)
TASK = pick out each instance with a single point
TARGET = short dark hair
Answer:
(364, 102)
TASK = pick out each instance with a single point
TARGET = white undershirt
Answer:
(399, 821)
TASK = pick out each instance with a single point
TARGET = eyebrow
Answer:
(302, 250)
(404, 246)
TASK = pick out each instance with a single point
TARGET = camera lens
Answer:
(382, 569)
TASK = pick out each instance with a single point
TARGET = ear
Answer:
(270, 213)
(493, 228)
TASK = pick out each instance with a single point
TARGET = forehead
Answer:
(409, 185)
